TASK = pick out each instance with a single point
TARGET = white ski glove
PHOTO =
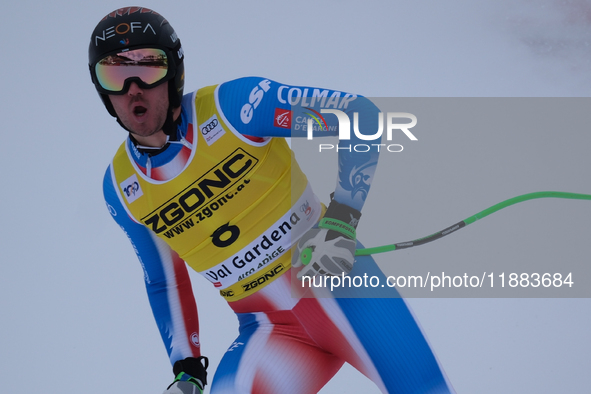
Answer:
(330, 248)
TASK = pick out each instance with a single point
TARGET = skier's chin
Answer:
(141, 127)
(143, 133)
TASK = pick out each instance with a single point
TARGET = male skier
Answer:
(207, 180)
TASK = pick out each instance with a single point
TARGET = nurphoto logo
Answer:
(314, 123)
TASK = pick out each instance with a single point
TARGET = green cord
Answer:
(470, 220)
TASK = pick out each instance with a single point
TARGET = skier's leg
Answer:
(378, 336)
(271, 355)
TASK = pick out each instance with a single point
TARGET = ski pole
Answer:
(470, 220)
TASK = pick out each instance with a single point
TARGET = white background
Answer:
(74, 313)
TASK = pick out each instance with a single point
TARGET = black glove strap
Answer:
(342, 212)
(340, 219)
(192, 366)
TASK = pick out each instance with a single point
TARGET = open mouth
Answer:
(139, 110)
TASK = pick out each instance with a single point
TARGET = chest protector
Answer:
(235, 209)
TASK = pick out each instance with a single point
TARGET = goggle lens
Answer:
(148, 64)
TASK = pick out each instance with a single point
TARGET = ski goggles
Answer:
(147, 67)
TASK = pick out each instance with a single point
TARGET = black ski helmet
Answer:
(138, 27)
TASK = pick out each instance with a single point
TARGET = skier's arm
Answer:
(167, 281)
(260, 107)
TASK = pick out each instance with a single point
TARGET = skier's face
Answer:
(143, 111)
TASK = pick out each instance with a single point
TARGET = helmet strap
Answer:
(171, 125)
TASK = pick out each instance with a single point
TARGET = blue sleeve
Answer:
(167, 281)
(261, 107)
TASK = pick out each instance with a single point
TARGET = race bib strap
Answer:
(256, 282)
